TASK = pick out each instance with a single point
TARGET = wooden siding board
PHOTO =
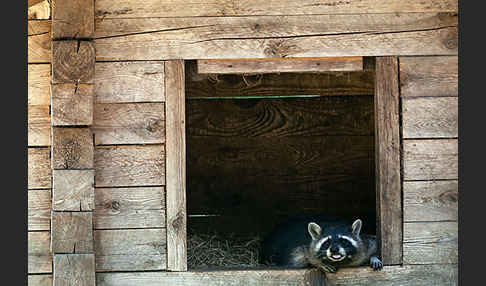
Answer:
(72, 190)
(39, 259)
(117, 82)
(38, 168)
(38, 84)
(72, 232)
(39, 280)
(74, 269)
(39, 210)
(429, 76)
(430, 117)
(141, 207)
(39, 41)
(38, 126)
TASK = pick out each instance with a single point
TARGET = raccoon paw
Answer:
(376, 264)
(328, 268)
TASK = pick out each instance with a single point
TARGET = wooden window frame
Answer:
(389, 209)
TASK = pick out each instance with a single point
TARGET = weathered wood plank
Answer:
(72, 232)
(129, 123)
(419, 275)
(38, 84)
(74, 269)
(73, 190)
(153, 8)
(430, 243)
(387, 150)
(39, 41)
(129, 166)
(39, 10)
(280, 65)
(72, 19)
(39, 259)
(142, 207)
(430, 159)
(38, 168)
(430, 200)
(73, 62)
(430, 117)
(72, 148)
(176, 166)
(130, 250)
(129, 82)
(38, 125)
(429, 76)
(270, 37)
(267, 277)
(39, 280)
(72, 104)
(39, 210)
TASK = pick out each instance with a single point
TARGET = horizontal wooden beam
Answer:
(73, 62)
(39, 41)
(248, 66)
(72, 190)
(39, 84)
(72, 104)
(72, 148)
(39, 256)
(74, 269)
(72, 232)
(39, 210)
(39, 168)
(72, 19)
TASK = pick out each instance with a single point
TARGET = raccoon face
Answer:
(334, 246)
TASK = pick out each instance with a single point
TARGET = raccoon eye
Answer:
(345, 242)
(325, 245)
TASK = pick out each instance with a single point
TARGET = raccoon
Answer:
(328, 246)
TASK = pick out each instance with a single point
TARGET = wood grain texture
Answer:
(270, 37)
(72, 232)
(129, 123)
(118, 82)
(39, 259)
(430, 243)
(430, 200)
(38, 126)
(429, 76)
(118, 166)
(130, 250)
(266, 277)
(387, 150)
(430, 159)
(72, 148)
(153, 8)
(279, 65)
(175, 165)
(39, 10)
(38, 84)
(74, 269)
(430, 117)
(72, 19)
(72, 104)
(73, 62)
(39, 210)
(283, 84)
(38, 168)
(141, 207)
(73, 190)
(419, 275)
(39, 41)
(39, 280)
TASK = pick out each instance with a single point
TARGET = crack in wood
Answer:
(154, 31)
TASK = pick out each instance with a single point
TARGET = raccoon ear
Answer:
(314, 230)
(356, 227)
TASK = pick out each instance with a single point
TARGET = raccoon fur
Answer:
(326, 245)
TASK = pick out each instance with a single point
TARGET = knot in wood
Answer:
(115, 205)
(178, 222)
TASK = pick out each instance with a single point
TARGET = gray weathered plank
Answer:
(130, 250)
(74, 270)
(430, 117)
(72, 148)
(430, 243)
(430, 159)
(72, 19)
(73, 190)
(39, 280)
(270, 37)
(72, 104)
(129, 82)
(39, 210)
(129, 123)
(117, 166)
(142, 207)
(73, 62)
(38, 84)
(38, 125)
(154, 8)
(387, 159)
(429, 76)
(39, 41)
(39, 259)
(38, 168)
(176, 166)
(430, 200)
(72, 232)
(280, 65)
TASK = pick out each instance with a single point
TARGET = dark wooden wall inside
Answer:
(256, 161)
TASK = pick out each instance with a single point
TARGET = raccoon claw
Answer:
(376, 264)
(328, 268)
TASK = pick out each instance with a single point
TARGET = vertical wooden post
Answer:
(175, 165)
(73, 62)
(387, 152)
